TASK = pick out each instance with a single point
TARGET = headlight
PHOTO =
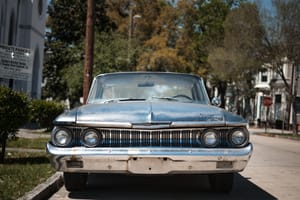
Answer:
(239, 137)
(210, 138)
(91, 138)
(62, 137)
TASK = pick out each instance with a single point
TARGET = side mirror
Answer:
(216, 101)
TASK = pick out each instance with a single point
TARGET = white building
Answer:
(22, 24)
(270, 84)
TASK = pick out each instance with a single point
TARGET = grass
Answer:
(22, 172)
(36, 143)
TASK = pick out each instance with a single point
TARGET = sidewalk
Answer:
(33, 133)
(30, 134)
(256, 130)
(269, 132)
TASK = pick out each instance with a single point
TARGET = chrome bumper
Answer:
(149, 160)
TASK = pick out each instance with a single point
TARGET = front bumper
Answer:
(149, 160)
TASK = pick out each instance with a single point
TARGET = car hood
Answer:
(148, 112)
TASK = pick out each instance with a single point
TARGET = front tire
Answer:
(75, 181)
(221, 183)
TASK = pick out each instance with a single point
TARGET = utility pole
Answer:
(89, 49)
(130, 28)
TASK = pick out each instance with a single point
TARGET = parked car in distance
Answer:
(149, 123)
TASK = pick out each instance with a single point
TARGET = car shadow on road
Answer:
(115, 187)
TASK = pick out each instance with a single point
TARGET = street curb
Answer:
(45, 189)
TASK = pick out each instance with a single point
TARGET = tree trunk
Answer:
(294, 117)
(222, 86)
(247, 111)
(3, 145)
(289, 109)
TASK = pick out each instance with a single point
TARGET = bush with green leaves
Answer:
(13, 114)
(44, 112)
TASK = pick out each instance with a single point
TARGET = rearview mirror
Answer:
(216, 101)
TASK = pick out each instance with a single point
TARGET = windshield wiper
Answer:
(123, 99)
(166, 98)
(132, 99)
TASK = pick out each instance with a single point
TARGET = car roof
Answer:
(147, 72)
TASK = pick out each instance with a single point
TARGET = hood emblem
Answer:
(150, 118)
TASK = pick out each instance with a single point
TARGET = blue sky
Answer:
(264, 4)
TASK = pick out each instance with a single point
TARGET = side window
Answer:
(264, 77)
(298, 105)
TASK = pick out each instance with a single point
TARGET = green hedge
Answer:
(13, 114)
(16, 110)
(13, 110)
(44, 112)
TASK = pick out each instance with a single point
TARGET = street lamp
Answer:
(131, 29)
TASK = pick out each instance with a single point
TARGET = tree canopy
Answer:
(225, 41)
(282, 46)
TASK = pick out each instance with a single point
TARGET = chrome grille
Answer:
(153, 138)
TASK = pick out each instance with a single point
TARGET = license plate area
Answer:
(149, 165)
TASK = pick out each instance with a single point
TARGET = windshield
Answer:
(147, 86)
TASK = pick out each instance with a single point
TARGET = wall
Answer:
(22, 24)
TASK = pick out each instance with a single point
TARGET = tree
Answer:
(58, 56)
(67, 20)
(155, 31)
(211, 16)
(237, 61)
(186, 45)
(111, 56)
(282, 44)
(13, 114)
(144, 26)
(182, 35)
(171, 46)
(63, 46)
(158, 35)
(207, 32)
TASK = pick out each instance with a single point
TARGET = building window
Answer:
(278, 98)
(264, 77)
(298, 105)
(1, 23)
(40, 7)
(11, 30)
(277, 108)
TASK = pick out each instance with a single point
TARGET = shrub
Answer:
(44, 112)
(13, 114)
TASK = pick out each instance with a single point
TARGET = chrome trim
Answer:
(237, 124)
(104, 124)
(171, 160)
(216, 134)
(151, 138)
(246, 133)
(159, 125)
(54, 134)
(197, 124)
(154, 151)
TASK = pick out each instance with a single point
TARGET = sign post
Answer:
(16, 63)
(267, 101)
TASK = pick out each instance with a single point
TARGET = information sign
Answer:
(16, 63)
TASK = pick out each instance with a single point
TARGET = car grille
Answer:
(153, 138)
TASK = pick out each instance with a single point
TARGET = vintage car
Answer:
(149, 123)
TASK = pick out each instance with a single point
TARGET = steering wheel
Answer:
(182, 96)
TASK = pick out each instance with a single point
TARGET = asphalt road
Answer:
(273, 173)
